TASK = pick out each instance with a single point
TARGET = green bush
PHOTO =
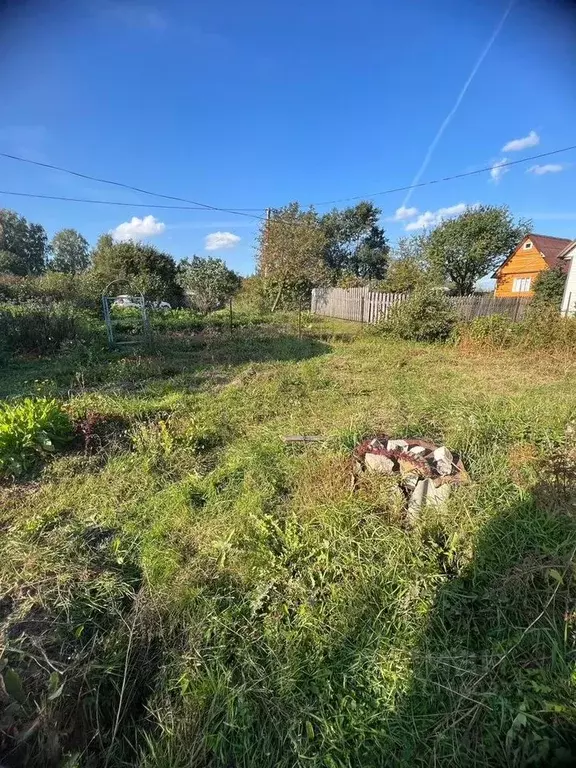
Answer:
(254, 295)
(492, 330)
(427, 315)
(29, 430)
(176, 320)
(82, 290)
(41, 328)
(549, 287)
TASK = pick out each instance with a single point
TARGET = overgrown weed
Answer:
(212, 597)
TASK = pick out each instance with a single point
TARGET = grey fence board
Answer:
(365, 306)
(470, 307)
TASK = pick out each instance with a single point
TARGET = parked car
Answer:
(127, 302)
(135, 302)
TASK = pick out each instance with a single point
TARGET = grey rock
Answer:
(444, 460)
(417, 450)
(378, 463)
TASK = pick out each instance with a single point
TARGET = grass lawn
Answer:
(191, 592)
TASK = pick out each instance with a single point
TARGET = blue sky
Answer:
(254, 104)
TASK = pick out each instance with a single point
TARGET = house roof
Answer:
(549, 247)
(565, 251)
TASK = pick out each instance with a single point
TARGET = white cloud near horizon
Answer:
(430, 219)
(448, 119)
(517, 145)
(499, 168)
(218, 241)
(138, 229)
(403, 213)
(541, 170)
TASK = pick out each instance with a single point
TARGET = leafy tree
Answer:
(70, 252)
(470, 246)
(25, 240)
(409, 267)
(12, 264)
(549, 287)
(355, 244)
(208, 282)
(290, 253)
(148, 269)
(36, 249)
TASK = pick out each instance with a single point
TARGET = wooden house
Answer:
(515, 277)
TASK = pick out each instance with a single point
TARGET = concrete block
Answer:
(444, 461)
(378, 463)
(426, 493)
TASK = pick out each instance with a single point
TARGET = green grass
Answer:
(190, 591)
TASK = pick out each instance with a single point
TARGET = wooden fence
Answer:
(470, 307)
(365, 306)
(358, 304)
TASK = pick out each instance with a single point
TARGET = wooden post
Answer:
(362, 309)
(300, 318)
(230, 317)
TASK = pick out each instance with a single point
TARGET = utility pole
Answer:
(266, 228)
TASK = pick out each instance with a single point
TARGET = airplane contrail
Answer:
(450, 115)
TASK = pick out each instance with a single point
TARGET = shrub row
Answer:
(543, 327)
(83, 290)
(428, 315)
(42, 328)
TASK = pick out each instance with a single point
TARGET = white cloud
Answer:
(540, 170)
(137, 229)
(403, 213)
(430, 219)
(498, 170)
(516, 145)
(218, 241)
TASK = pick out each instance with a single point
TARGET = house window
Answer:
(521, 284)
(527, 245)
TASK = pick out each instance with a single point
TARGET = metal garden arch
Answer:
(138, 299)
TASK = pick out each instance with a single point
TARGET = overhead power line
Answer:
(114, 202)
(446, 178)
(462, 93)
(195, 206)
(128, 186)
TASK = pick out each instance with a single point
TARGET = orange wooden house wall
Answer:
(524, 262)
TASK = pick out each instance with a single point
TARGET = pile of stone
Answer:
(426, 472)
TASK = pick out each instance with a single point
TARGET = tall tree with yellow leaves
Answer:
(291, 245)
